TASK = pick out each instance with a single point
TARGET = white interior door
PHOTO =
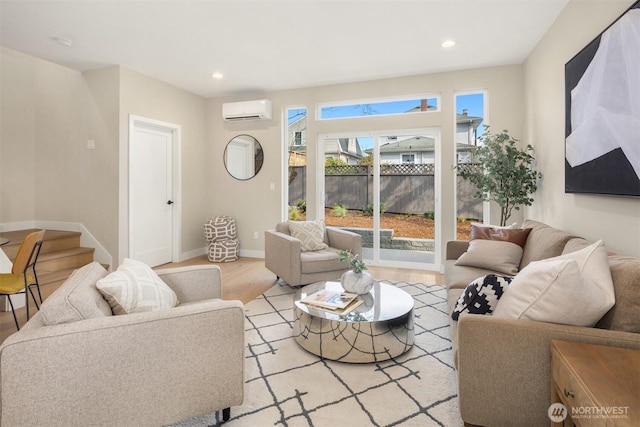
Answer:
(240, 158)
(151, 202)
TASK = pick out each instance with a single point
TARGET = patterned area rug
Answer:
(287, 386)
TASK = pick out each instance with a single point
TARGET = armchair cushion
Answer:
(321, 261)
(77, 298)
(310, 233)
(136, 288)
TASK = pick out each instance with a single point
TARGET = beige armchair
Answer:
(285, 258)
(74, 363)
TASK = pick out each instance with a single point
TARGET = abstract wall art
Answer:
(602, 111)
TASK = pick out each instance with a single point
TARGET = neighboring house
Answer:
(345, 149)
(417, 150)
(414, 150)
(297, 137)
(467, 128)
(466, 135)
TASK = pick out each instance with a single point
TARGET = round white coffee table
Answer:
(379, 329)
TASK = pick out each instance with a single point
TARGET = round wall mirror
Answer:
(243, 157)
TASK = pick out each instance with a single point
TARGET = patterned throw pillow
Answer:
(135, 288)
(481, 296)
(310, 234)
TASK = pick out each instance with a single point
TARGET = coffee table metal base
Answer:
(353, 338)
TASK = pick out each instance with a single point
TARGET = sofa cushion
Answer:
(624, 315)
(543, 242)
(452, 298)
(77, 298)
(517, 236)
(498, 256)
(136, 288)
(572, 289)
(481, 296)
(506, 227)
(310, 233)
(458, 277)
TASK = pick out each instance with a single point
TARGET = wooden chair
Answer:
(23, 273)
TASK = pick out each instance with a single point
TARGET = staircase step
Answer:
(60, 254)
(59, 276)
(64, 259)
(54, 240)
(44, 278)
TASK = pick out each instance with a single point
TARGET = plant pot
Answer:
(357, 283)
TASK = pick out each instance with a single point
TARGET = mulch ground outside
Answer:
(412, 226)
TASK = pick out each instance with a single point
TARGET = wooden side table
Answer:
(598, 385)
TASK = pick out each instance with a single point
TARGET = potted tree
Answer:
(505, 173)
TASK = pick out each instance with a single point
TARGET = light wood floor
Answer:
(244, 280)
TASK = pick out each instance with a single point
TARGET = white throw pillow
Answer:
(310, 234)
(571, 289)
(499, 256)
(136, 288)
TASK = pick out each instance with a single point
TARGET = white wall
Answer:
(256, 208)
(614, 219)
(151, 98)
(48, 113)
(17, 136)
(47, 174)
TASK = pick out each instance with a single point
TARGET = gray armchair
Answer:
(284, 257)
(74, 363)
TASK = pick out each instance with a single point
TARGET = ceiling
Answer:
(264, 45)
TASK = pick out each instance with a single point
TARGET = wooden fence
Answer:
(404, 188)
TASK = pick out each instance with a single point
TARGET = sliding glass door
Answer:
(383, 185)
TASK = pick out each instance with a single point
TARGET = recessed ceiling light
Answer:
(217, 75)
(63, 41)
(448, 43)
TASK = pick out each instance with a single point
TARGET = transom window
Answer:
(351, 109)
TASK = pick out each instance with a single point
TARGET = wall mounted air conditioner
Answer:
(259, 109)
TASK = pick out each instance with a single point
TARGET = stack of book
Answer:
(333, 301)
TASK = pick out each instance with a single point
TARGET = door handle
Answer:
(170, 202)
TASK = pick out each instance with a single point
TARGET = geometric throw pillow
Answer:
(136, 288)
(572, 289)
(310, 234)
(481, 296)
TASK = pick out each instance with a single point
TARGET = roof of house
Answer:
(465, 118)
(415, 144)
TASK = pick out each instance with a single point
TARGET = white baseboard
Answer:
(192, 254)
(251, 254)
(203, 251)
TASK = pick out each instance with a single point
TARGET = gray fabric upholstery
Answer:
(152, 368)
(77, 298)
(518, 374)
(543, 242)
(284, 257)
